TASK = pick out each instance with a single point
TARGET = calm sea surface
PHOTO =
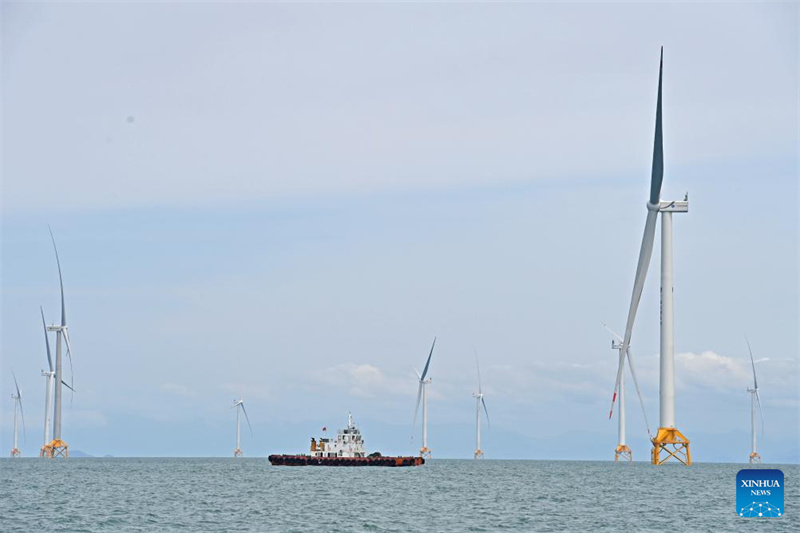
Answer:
(445, 495)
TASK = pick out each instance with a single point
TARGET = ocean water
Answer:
(196, 495)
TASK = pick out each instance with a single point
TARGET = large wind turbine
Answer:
(15, 452)
(422, 393)
(755, 458)
(237, 404)
(57, 447)
(668, 438)
(478, 402)
(49, 376)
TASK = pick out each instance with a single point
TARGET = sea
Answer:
(235, 495)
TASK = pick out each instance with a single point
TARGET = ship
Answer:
(347, 449)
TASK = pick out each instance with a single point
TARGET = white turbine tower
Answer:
(422, 393)
(15, 451)
(57, 447)
(478, 402)
(755, 458)
(668, 438)
(237, 404)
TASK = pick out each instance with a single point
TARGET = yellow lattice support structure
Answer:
(15, 452)
(755, 459)
(623, 453)
(674, 445)
(425, 452)
(478, 454)
(237, 453)
(56, 448)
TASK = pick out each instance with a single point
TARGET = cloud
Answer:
(364, 380)
(175, 389)
(713, 371)
(710, 369)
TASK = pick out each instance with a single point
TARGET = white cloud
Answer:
(175, 389)
(710, 369)
(364, 380)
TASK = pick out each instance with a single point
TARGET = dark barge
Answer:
(307, 460)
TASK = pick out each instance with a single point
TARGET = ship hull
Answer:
(307, 460)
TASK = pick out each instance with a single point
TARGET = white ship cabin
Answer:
(348, 443)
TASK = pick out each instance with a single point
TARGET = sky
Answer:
(288, 202)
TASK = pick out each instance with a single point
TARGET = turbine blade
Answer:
(71, 373)
(656, 178)
(641, 274)
(616, 386)
(752, 362)
(60, 280)
(416, 409)
(613, 334)
(16, 385)
(638, 392)
(46, 340)
(247, 418)
(67, 385)
(760, 412)
(486, 411)
(19, 400)
(657, 175)
(22, 415)
(427, 364)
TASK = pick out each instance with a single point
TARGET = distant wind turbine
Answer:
(49, 376)
(755, 458)
(15, 451)
(422, 393)
(622, 450)
(479, 401)
(237, 404)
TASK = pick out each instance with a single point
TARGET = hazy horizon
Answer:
(288, 202)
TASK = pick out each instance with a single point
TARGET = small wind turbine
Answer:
(236, 404)
(49, 376)
(15, 452)
(623, 451)
(755, 458)
(478, 402)
(57, 447)
(423, 394)
(668, 439)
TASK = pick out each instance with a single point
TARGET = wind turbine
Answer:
(237, 404)
(622, 450)
(422, 393)
(668, 439)
(57, 447)
(755, 458)
(15, 451)
(478, 402)
(49, 376)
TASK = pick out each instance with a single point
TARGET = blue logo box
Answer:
(759, 493)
